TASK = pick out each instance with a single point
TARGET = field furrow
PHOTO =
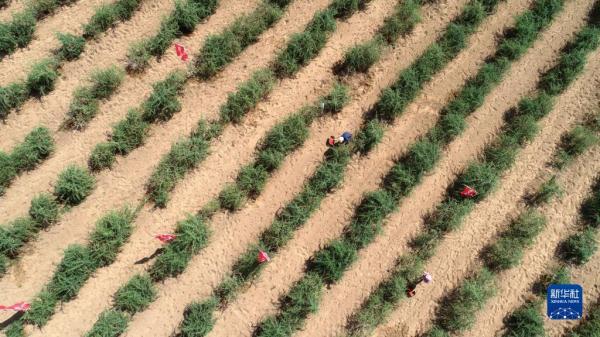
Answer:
(299, 13)
(85, 214)
(69, 19)
(475, 232)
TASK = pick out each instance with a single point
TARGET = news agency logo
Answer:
(565, 301)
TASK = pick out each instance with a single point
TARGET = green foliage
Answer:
(361, 57)
(578, 248)
(590, 209)
(37, 146)
(369, 136)
(192, 235)
(15, 235)
(458, 313)
(42, 308)
(129, 133)
(247, 95)
(571, 62)
(103, 156)
(449, 215)
(111, 232)
(548, 190)
(183, 156)
(44, 210)
(331, 262)
(3, 265)
(304, 46)
(17, 33)
(219, 50)
(574, 143)
(232, 197)
(368, 217)
(406, 16)
(85, 103)
(481, 176)
(558, 275)
(252, 179)
(507, 251)
(73, 270)
(111, 323)
(71, 46)
(283, 138)
(12, 97)
(42, 77)
(163, 103)
(107, 16)
(138, 57)
(74, 185)
(197, 318)
(136, 295)
(525, 321)
(336, 99)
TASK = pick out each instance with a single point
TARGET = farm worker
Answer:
(263, 257)
(345, 137)
(21, 306)
(165, 238)
(426, 277)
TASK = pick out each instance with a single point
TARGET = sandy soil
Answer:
(47, 250)
(489, 217)
(589, 278)
(256, 56)
(562, 215)
(67, 19)
(14, 6)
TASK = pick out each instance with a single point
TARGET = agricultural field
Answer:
(165, 167)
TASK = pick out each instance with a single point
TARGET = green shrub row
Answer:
(330, 263)
(481, 176)
(360, 58)
(86, 99)
(130, 133)
(182, 20)
(220, 49)
(576, 142)
(35, 148)
(107, 16)
(507, 251)
(42, 77)
(194, 149)
(78, 264)
(73, 185)
(548, 190)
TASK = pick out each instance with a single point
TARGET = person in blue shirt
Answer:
(343, 139)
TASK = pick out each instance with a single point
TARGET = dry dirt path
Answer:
(14, 6)
(491, 215)
(589, 278)
(361, 176)
(226, 157)
(66, 19)
(562, 215)
(112, 190)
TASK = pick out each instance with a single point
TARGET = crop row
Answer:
(302, 47)
(19, 31)
(520, 127)
(192, 233)
(361, 57)
(42, 77)
(328, 265)
(34, 149)
(421, 157)
(74, 184)
(77, 266)
(590, 325)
